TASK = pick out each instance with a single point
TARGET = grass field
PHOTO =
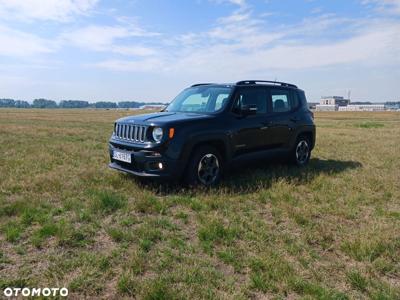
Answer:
(328, 231)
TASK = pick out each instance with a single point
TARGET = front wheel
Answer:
(205, 167)
(301, 152)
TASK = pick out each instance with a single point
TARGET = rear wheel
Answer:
(205, 167)
(301, 152)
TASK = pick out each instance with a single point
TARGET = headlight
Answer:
(157, 134)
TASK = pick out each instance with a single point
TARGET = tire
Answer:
(301, 152)
(204, 167)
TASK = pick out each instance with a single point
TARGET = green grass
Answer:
(12, 231)
(357, 281)
(370, 125)
(328, 231)
(108, 202)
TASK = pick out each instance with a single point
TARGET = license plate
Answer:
(122, 156)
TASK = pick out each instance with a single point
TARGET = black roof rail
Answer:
(244, 82)
(200, 84)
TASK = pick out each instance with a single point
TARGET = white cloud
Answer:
(386, 6)
(96, 37)
(378, 44)
(144, 65)
(242, 47)
(133, 50)
(240, 3)
(107, 38)
(238, 45)
(21, 44)
(55, 10)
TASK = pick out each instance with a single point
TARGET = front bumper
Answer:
(145, 163)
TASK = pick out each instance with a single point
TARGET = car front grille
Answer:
(130, 132)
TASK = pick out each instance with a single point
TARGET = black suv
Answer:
(209, 126)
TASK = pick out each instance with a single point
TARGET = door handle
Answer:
(266, 125)
(294, 119)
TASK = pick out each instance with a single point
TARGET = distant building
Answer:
(334, 100)
(392, 105)
(363, 107)
(326, 107)
(331, 103)
(153, 106)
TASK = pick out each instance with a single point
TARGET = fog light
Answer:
(160, 165)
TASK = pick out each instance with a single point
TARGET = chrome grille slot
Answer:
(144, 133)
(134, 133)
(140, 133)
(125, 131)
(130, 133)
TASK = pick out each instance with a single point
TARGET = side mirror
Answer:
(248, 110)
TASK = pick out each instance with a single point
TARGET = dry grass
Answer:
(329, 231)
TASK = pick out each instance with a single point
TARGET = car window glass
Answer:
(280, 101)
(202, 99)
(255, 96)
(195, 102)
(221, 101)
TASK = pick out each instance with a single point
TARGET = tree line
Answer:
(45, 103)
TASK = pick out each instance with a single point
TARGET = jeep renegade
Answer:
(207, 127)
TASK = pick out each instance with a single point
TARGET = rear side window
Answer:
(252, 96)
(280, 100)
(284, 100)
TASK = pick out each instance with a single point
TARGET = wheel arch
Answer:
(309, 134)
(220, 143)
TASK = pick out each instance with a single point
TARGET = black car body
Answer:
(208, 126)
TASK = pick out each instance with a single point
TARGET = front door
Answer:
(249, 131)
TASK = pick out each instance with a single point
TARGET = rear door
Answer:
(282, 120)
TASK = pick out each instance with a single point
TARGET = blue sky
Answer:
(150, 50)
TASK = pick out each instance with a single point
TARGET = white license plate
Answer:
(122, 156)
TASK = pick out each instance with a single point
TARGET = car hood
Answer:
(160, 118)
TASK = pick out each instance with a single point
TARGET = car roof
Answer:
(250, 83)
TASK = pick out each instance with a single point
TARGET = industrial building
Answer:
(334, 100)
(336, 103)
(331, 103)
(363, 107)
(153, 106)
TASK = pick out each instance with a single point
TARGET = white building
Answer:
(331, 103)
(363, 107)
(153, 106)
(334, 100)
(324, 107)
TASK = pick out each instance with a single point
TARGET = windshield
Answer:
(201, 99)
